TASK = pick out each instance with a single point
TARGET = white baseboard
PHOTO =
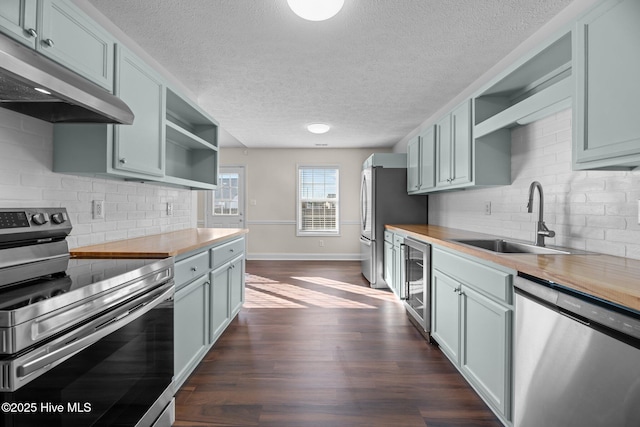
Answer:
(303, 257)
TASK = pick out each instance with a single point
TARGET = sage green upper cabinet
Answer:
(607, 66)
(60, 31)
(413, 164)
(18, 20)
(134, 151)
(139, 147)
(421, 162)
(70, 38)
(453, 147)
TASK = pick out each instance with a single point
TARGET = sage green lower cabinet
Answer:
(191, 313)
(209, 295)
(219, 301)
(236, 286)
(394, 262)
(472, 321)
(485, 356)
(389, 260)
(445, 314)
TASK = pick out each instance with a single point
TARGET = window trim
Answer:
(299, 231)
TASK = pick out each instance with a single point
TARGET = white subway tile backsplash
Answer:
(131, 209)
(592, 210)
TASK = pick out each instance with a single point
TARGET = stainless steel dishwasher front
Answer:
(577, 360)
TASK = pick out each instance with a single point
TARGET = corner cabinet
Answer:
(209, 294)
(607, 61)
(472, 321)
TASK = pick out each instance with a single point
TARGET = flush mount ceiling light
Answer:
(318, 128)
(315, 10)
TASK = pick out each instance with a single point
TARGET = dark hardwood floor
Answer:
(315, 346)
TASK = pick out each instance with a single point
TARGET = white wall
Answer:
(271, 182)
(592, 210)
(131, 209)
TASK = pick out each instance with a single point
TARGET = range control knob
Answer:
(58, 218)
(40, 218)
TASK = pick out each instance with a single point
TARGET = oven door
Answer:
(121, 378)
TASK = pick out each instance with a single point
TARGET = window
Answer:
(225, 197)
(318, 201)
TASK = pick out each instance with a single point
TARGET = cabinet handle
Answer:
(49, 42)
(123, 160)
(231, 250)
(32, 32)
(456, 290)
(194, 268)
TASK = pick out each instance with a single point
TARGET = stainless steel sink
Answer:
(510, 247)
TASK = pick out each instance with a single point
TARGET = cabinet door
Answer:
(445, 314)
(18, 20)
(461, 144)
(443, 152)
(428, 158)
(69, 37)
(413, 164)
(219, 307)
(139, 147)
(190, 314)
(236, 285)
(389, 261)
(486, 348)
(607, 129)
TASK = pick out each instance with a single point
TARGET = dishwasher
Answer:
(577, 358)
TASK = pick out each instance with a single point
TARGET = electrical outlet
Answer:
(321, 243)
(169, 209)
(98, 209)
(487, 208)
(253, 202)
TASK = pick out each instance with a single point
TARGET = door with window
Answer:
(224, 207)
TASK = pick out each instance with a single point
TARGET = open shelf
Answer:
(191, 144)
(540, 86)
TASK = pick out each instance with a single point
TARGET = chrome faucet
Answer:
(541, 229)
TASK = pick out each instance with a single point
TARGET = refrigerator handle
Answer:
(363, 204)
(365, 241)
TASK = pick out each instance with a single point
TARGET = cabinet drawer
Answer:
(190, 268)
(226, 251)
(485, 279)
(388, 236)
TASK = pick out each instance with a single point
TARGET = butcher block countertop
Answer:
(158, 245)
(611, 278)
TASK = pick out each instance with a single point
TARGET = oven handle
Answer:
(100, 328)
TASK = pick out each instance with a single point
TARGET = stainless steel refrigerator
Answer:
(384, 200)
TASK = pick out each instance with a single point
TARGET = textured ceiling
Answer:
(374, 72)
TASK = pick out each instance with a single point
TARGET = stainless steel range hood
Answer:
(34, 85)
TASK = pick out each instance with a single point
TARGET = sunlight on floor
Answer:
(262, 292)
(344, 286)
